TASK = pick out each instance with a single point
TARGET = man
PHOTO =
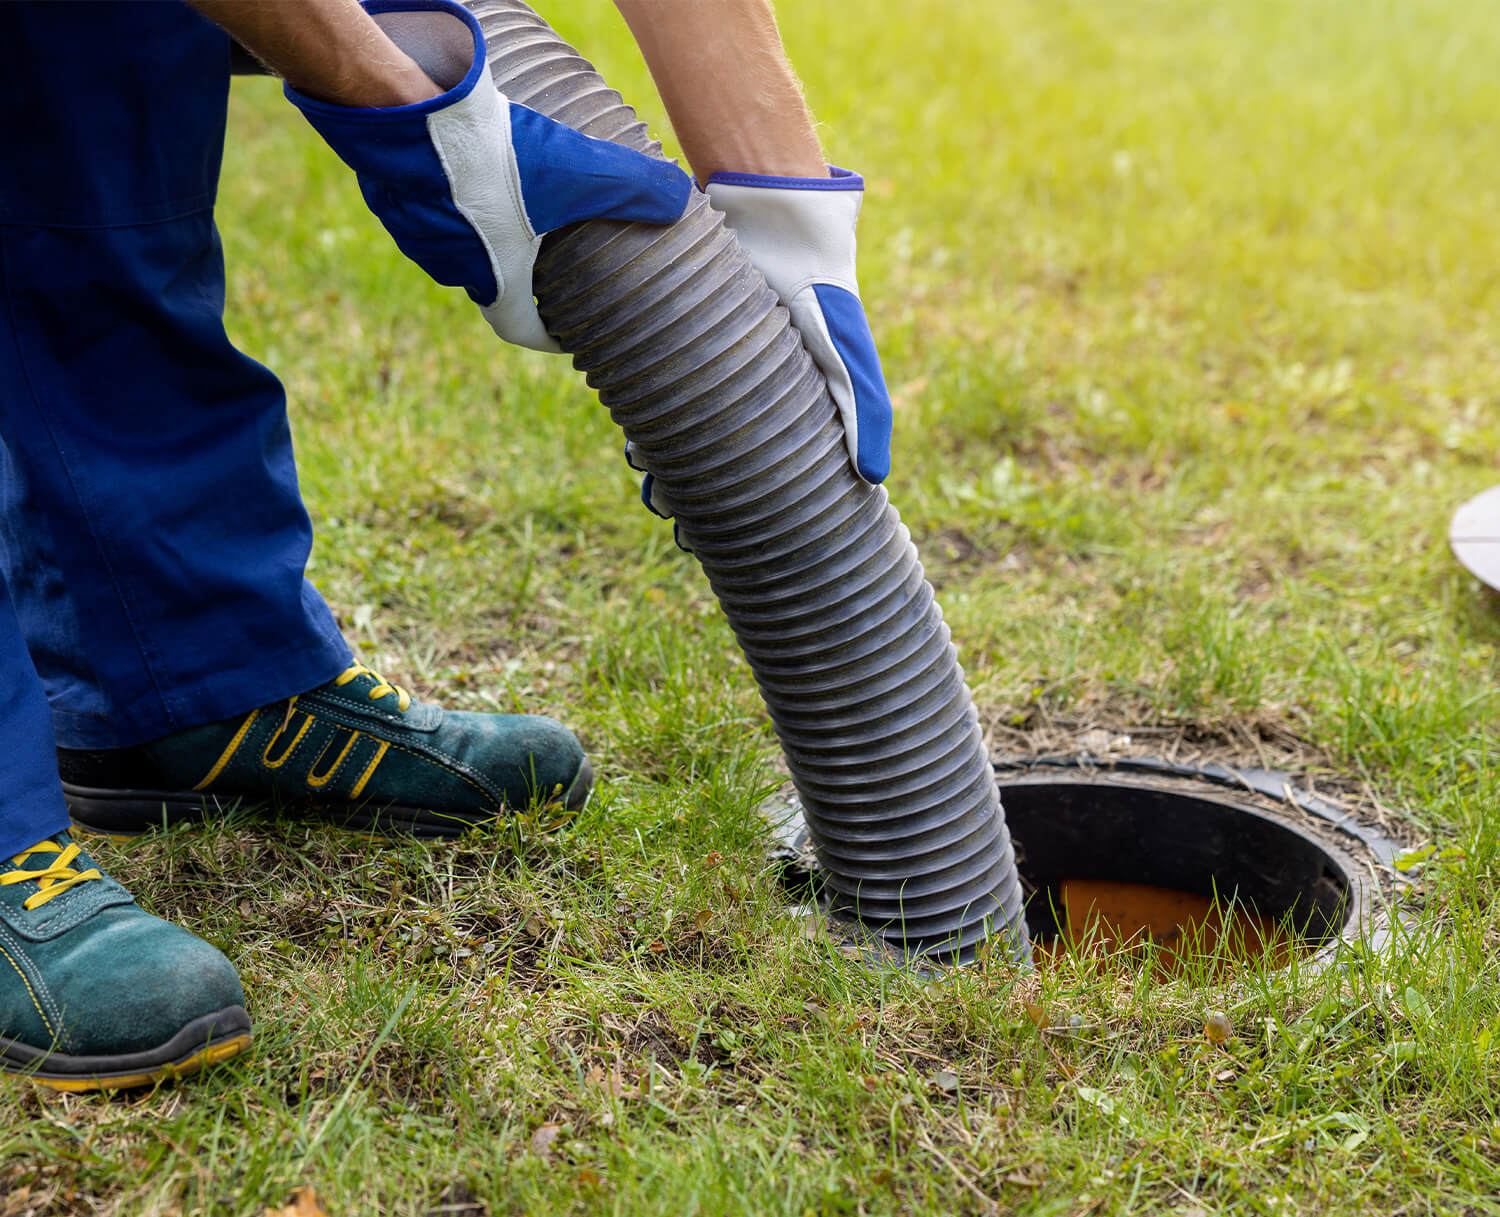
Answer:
(160, 648)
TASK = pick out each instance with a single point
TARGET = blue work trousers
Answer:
(152, 538)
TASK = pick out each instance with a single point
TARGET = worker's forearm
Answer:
(328, 49)
(731, 94)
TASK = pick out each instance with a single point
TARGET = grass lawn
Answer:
(1190, 313)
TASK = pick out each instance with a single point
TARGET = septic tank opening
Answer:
(1206, 860)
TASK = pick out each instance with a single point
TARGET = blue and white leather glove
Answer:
(467, 182)
(799, 233)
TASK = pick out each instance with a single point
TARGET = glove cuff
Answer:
(838, 179)
(446, 42)
(795, 235)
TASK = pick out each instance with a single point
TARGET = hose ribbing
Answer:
(696, 361)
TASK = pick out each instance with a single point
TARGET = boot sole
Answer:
(129, 813)
(204, 1041)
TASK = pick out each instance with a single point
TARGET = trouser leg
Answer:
(154, 536)
(31, 801)
(151, 529)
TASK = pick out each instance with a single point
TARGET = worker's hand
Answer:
(467, 182)
(799, 233)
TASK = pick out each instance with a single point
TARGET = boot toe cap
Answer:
(134, 982)
(532, 758)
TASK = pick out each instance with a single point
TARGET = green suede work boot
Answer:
(95, 993)
(356, 751)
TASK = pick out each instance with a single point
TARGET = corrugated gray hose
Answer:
(695, 359)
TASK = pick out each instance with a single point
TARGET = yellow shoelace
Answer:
(382, 686)
(55, 878)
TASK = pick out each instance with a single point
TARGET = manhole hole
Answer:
(1203, 858)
